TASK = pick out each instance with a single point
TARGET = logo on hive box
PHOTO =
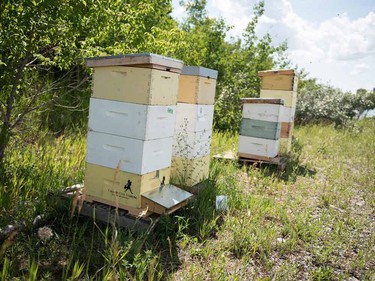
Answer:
(126, 193)
(128, 187)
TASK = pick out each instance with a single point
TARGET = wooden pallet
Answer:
(108, 214)
(280, 161)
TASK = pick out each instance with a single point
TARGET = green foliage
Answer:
(363, 101)
(42, 46)
(323, 103)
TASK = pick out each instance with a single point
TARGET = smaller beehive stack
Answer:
(282, 84)
(260, 128)
(193, 131)
(131, 127)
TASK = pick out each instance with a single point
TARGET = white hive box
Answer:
(249, 147)
(191, 145)
(265, 109)
(197, 85)
(127, 154)
(141, 78)
(138, 121)
(194, 117)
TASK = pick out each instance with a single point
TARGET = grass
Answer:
(314, 221)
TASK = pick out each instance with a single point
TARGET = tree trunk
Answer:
(4, 140)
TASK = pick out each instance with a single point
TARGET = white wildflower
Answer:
(45, 233)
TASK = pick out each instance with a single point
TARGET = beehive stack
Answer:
(282, 84)
(260, 128)
(131, 127)
(195, 110)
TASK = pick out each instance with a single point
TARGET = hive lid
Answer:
(199, 71)
(167, 196)
(263, 100)
(146, 60)
(276, 72)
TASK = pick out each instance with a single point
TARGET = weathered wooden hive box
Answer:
(260, 128)
(143, 79)
(132, 119)
(193, 130)
(284, 80)
(282, 84)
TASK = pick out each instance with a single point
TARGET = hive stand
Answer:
(279, 161)
(107, 214)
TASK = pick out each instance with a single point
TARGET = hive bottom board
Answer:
(118, 188)
(189, 172)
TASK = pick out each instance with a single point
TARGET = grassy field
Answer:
(314, 221)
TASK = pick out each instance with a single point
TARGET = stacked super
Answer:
(193, 131)
(131, 126)
(260, 128)
(282, 84)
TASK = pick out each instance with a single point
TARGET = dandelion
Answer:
(45, 233)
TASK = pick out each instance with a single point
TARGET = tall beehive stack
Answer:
(131, 127)
(195, 110)
(282, 84)
(260, 128)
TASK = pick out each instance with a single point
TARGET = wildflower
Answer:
(45, 233)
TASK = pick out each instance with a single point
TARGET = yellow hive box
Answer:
(279, 80)
(189, 172)
(118, 188)
(136, 85)
(196, 90)
(285, 146)
(289, 97)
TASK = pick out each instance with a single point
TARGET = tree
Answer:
(43, 42)
(363, 101)
(240, 78)
(36, 36)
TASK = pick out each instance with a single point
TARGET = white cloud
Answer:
(235, 13)
(351, 40)
(359, 68)
(339, 49)
(333, 50)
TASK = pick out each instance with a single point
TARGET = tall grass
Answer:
(36, 169)
(314, 221)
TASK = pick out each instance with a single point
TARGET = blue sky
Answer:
(333, 40)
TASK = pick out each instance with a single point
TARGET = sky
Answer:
(333, 40)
